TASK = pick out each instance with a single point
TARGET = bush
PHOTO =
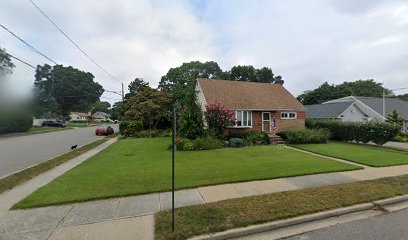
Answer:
(207, 143)
(252, 138)
(191, 124)
(218, 119)
(305, 136)
(130, 128)
(236, 142)
(14, 123)
(375, 131)
(152, 133)
(401, 138)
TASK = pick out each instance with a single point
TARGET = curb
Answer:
(240, 232)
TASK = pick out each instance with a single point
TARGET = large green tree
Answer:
(6, 65)
(180, 81)
(394, 118)
(326, 92)
(59, 90)
(100, 107)
(251, 74)
(149, 106)
(116, 111)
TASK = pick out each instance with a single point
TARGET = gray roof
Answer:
(391, 104)
(328, 110)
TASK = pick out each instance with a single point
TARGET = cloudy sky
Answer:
(307, 42)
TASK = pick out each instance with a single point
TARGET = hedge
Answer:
(14, 123)
(374, 130)
(251, 138)
(130, 128)
(305, 136)
(207, 143)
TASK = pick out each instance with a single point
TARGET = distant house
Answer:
(100, 116)
(358, 109)
(78, 116)
(258, 107)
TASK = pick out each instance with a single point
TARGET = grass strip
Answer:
(242, 212)
(17, 178)
(364, 154)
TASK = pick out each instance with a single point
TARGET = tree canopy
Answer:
(100, 107)
(327, 92)
(6, 65)
(180, 81)
(60, 90)
(394, 118)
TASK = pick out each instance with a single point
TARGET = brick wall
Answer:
(281, 124)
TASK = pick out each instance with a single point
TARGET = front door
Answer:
(266, 122)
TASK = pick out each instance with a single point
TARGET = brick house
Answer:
(258, 106)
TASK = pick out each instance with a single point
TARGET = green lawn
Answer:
(368, 155)
(139, 166)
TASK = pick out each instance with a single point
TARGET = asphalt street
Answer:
(391, 226)
(20, 152)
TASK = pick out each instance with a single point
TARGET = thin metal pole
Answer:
(172, 166)
(384, 104)
(123, 102)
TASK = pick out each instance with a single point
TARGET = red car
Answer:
(104, 131)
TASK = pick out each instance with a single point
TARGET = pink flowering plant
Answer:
(218, 119)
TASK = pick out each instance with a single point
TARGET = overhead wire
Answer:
(72, 41)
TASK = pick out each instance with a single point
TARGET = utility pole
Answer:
(123, 102)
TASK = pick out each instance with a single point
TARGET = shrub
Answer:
(236, 142)
(252, 138)
(218, 119)
(191, 120)
(207, 143)
(305, 136)
(14, 123)
(401, 137)
(375, 131)
(130, 128)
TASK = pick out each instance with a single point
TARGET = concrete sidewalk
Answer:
(132, 217)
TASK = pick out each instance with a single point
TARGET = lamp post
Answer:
(383, 108)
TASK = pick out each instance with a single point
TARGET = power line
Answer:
(18, 59)
(29, 65)
(27, 44)
(72, 41)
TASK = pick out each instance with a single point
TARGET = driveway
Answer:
(397, 145)
(20, 152)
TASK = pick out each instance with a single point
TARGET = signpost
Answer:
(173, 149)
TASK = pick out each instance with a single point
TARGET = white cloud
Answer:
(307, 42)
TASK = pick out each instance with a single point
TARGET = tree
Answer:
(116, 111)
(395, 119)
(181, 80)
(250, 74)
(149, 106)
(101, 107)
(327, 92)
(137, 85)
(191, 119)
(60, 90)
(6, 65)
(403, 97)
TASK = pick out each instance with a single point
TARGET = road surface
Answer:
(20, 152)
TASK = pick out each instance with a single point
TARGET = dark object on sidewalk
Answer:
(74, 147)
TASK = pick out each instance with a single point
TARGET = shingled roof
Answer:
(248, 95)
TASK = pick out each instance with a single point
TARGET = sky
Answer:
(306, 42)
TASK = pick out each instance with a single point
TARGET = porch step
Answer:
(275, 139)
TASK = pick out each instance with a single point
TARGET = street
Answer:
(390, 226)
(20, 152)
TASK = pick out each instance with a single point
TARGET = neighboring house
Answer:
(100, 116)
(358, 109)
(78, 116)
(258, 106)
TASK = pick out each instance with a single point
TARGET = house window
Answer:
(243, 119)
(288, 115)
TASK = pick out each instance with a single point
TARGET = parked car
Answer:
(104, 131)
(53, 123)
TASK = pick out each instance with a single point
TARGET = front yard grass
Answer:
(368, 155)
(140, 166)
(242, 212)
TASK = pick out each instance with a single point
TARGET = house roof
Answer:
(391, 104)
(100, 115)
(328, 110)
(248, 95)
